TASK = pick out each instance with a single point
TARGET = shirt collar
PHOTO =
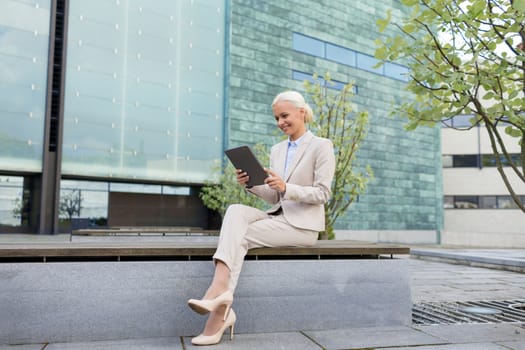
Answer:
(298, 141)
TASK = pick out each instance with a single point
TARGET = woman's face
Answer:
(290, 119)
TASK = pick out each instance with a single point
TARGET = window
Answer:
(447, 161)
(341, 55)
(397, 71)
(488, 202)
(133, 99)
(24, 34)
(135, 188)
(506, 202)
(448, 202)
(465, 161)
(481, 202)
(308, 45)
(348, 57)
(334, 84)
(490, 159)
(466, 202)
(367, 62)
(13, 206)
(477, 160)
(459, 121)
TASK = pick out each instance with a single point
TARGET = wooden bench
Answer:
(187, 250)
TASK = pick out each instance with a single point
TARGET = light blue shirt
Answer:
(290, 154)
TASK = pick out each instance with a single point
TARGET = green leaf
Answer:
(383, 23)
(509, 130)
(409, 28)
(519, 5)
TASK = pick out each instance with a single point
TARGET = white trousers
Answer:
(245, 227)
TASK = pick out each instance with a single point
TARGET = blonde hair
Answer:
(298, 101)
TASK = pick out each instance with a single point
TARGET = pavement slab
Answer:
(472, 346)
(261, 341)
(130, 344)
(514, 345)
(475, 333)
(23, 347)
(377, 337)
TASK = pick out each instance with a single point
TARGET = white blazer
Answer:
(307, 185)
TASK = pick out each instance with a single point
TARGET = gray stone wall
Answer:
(406, 191)
(90, 301)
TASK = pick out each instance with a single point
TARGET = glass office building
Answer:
(114, 112)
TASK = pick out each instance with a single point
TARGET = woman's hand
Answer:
(274, 181)
(242, 177)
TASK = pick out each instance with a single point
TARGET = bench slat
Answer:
(188, 249)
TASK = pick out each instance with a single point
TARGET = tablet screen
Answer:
(243, 158)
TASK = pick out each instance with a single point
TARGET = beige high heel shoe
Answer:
(203, 306)
(216, 338)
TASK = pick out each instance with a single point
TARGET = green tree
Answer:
(334, 118)
(465, 57)
(337, 119)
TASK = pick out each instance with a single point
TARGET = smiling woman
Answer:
(301, 172)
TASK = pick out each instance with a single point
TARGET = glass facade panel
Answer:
(397, 71)
(308, 45)
(177, 190)
(466, 161)
(466, 202)
(334, 84)
(135, 188)
(368, 63)
(24, 47)
(144, 89)
(487, 202)
(448, 202)
(83, 204)
(490, 159)
(481, 202)
(506, 202)
(340, 54)
(303, 76)
(11, 200)
(462, 120)
(447, 161)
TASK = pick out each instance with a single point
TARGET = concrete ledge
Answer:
(390, 236)
(475, 257)
(75, 302)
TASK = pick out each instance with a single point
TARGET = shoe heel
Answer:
(231, 331)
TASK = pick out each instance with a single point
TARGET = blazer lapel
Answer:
(299, 154)
(281, 158)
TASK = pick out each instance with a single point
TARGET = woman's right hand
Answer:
(242, 177)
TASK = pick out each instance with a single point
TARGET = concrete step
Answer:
(97, 301)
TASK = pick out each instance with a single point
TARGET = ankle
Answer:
(214, 291)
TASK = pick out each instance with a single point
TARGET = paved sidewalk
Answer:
(444, 337)
(448, 276)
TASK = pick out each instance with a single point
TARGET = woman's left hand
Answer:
(274, 181)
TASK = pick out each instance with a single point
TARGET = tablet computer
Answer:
(244, 159)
